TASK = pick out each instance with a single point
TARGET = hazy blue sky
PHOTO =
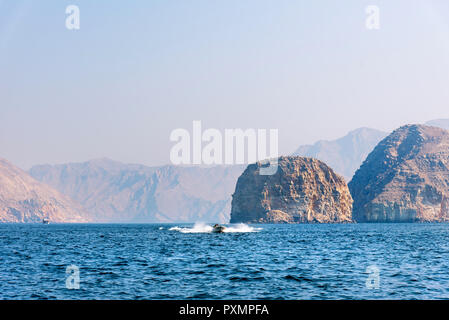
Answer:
(136, 70)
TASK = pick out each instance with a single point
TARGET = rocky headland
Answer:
(303, 190)
(405, 178)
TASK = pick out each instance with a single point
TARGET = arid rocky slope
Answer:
(116, 192)
(405, 178)
(304, 190)
(23, 199)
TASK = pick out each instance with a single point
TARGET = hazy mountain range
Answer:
(346, 154)
(115, 192)
(441, 123)
(23, 199)
(103, 190)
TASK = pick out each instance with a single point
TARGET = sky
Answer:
(137, 70)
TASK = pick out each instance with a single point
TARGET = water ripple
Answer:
(260, 262)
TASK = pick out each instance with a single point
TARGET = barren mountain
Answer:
(23, 199)
(405, 178)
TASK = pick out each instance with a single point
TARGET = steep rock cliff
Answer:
(405, 178)
(303, 190)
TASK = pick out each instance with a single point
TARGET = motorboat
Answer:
(218, 228)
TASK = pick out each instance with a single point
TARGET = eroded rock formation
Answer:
(405, 178)
(303, 190)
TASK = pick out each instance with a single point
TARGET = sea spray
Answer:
(199, 227)
(241, 227)
(204, 228)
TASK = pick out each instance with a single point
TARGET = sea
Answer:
(188, 261)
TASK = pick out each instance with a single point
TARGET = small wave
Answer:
(241, 227)
(204, 228)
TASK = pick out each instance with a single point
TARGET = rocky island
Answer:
(405, 178)
(303, 190)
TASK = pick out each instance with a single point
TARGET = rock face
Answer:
(304, 190)
(405, 178)
(346, 154)
(23, 199)
(116, 192)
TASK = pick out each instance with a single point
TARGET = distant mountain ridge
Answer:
(112, 191)
(346, 154)
(441, 123)
(115, 192)
(23, 199)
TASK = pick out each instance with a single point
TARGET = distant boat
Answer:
(45, 221)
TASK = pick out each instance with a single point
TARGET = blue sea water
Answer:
(159, 261)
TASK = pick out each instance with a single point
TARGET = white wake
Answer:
(204, 228)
